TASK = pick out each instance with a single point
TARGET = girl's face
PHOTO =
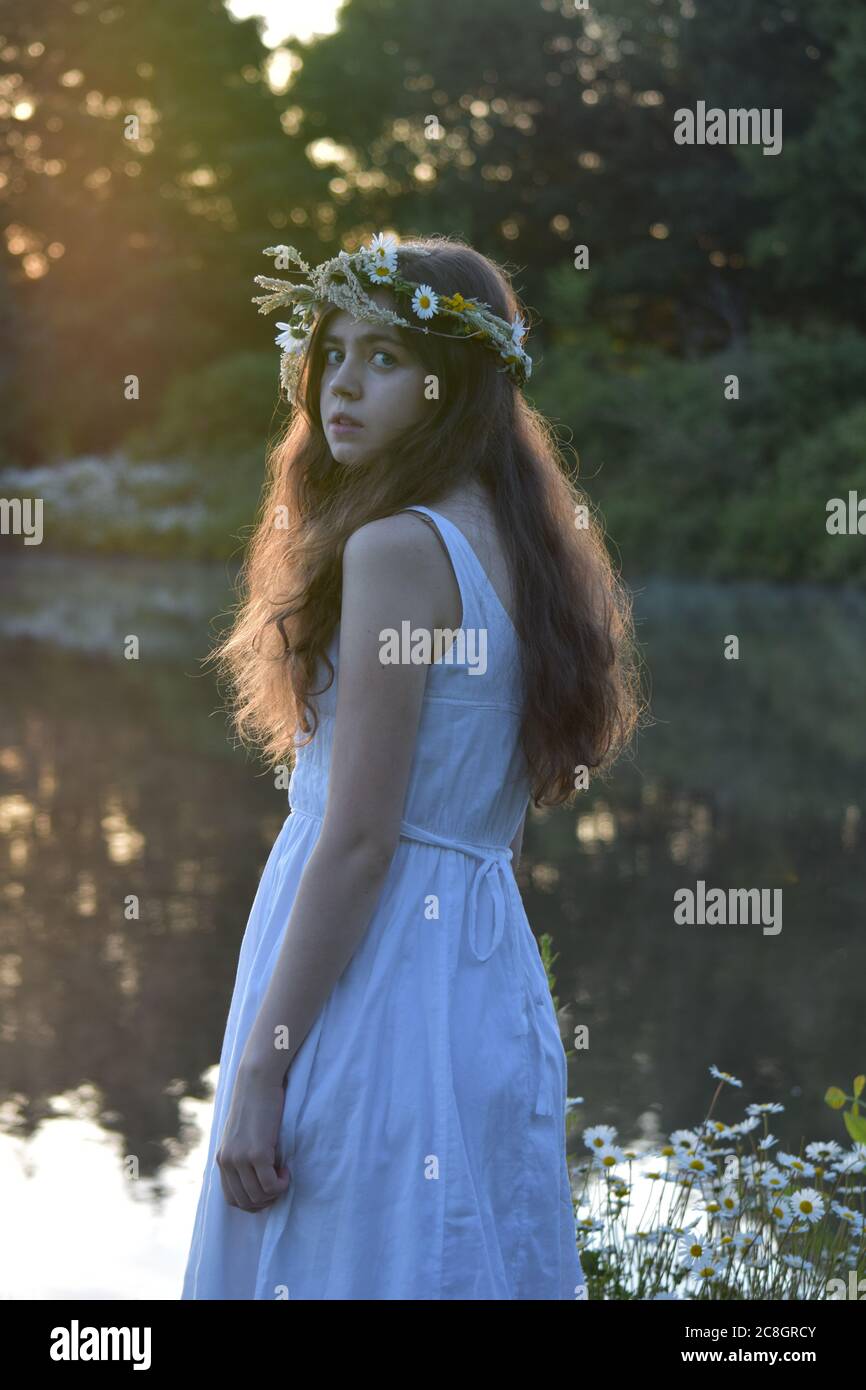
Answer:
(370, 375)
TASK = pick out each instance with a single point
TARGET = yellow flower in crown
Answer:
(457, 303)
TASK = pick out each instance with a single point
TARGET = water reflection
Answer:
(132, 836)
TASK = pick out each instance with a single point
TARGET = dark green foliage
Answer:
(689, 481)
(704, 260)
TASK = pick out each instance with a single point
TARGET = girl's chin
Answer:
(348, 452)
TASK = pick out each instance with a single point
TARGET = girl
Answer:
(389, 1120)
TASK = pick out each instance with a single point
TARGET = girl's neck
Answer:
(471, 494)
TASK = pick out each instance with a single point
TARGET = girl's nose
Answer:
(346, 381)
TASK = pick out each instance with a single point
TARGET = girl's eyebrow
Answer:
(365, 338)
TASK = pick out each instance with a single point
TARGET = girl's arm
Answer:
(393, 571)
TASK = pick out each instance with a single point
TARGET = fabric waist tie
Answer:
(494, 871)
(493, 862)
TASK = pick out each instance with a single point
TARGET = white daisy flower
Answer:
(796, 1262)
(381, 272)
(599, 1136)
(808, 1204)
(767, 1107)
(729, 1203)
(588, 1224)
(694, 1163)
(425, 302)
(746, 1240)
(797, 1165)
(854, 1219)
(780, 1212)
(692, 1250)
(383, 248)
(774, 1179)
(746, 1126)
(850, 1163)
(518, 330)
(724, 1076)
(685, 1140)
(705, 1271)
(718, 1129)
(608, 1156)
(288, 340)
(823, 1150)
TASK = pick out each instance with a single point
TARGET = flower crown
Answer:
(342, 281)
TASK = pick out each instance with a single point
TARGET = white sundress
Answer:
(424, 1114)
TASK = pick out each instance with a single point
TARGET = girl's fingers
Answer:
(270, 1185)
(256, 1194)
(234, 1189)
(252, 1189)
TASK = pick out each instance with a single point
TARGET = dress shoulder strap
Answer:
(454, 544)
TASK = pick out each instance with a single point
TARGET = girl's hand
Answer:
(248, 1149)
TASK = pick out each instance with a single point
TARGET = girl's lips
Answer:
(343, 427)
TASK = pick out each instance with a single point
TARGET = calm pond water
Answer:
(119, 777)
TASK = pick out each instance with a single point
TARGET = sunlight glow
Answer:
(284, 19)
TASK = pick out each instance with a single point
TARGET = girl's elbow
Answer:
(361, 850)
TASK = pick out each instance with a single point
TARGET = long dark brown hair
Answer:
(580, 666)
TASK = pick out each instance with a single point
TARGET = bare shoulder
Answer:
(404, 555)
(387, 538)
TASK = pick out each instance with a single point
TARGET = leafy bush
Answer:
(222, 411)
(690, 482)
(785, 522)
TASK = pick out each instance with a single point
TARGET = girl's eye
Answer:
(380, 352)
